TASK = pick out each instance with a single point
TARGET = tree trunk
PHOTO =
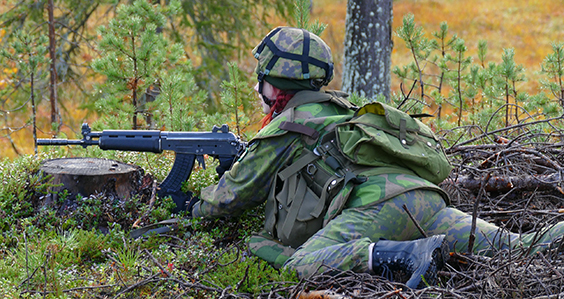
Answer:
(86, 176)
(368, 48)
(53, 68)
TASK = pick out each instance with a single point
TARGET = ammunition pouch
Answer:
(309, 192)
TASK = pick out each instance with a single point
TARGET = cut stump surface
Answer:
(86, 176)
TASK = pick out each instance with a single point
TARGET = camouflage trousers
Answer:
(343, 244)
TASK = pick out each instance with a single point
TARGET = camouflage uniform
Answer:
(344, 242)
(295, 59)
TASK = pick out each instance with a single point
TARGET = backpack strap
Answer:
(310, 96)
(298, 128)
(308, 158)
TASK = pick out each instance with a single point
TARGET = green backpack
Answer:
(382, 136)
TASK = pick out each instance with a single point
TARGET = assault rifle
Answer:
(188, 146)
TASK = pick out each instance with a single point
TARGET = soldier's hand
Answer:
(224, 165)
(190, 203)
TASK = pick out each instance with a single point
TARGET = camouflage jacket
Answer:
(247, 184)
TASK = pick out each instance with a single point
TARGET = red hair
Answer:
(281, 100)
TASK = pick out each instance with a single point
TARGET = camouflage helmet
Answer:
(296, 55)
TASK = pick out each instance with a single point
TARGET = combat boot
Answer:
(416, 262)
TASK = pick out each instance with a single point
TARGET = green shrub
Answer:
(246, 274)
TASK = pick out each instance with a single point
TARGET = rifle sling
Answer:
(155, 228)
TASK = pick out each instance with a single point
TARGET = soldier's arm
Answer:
(248, 182)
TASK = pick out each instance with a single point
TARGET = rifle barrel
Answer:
(59, 142)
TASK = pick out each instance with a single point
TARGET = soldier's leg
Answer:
(544, 238)
(456, 225)
(344, 243)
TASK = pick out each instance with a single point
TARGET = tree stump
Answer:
(86, 176)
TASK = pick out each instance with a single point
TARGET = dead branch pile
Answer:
(506, 275)
(511, 176)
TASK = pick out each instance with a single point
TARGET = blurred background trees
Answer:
(458, 69)
(206, 35)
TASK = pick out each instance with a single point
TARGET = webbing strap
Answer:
(292, 185)
(304, 160)
(334, 180)
(403, 132)
(298, 128)
(305, 55)
(328, 147)
(263, 44)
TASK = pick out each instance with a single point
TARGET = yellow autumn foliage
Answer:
(528, 26)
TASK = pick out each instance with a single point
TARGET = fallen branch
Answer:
(325, 294)
(502, 184)
(151, 203)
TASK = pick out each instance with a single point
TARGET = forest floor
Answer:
(515, 184)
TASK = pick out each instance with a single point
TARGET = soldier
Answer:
(327, 212)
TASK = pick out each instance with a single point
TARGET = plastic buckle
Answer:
(311, 169)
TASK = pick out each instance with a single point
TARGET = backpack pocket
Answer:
(298, 202)
(298, 211)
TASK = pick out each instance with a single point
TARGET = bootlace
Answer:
(386, 272)
(391, 269)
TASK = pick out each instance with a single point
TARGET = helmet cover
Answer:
(293, 53)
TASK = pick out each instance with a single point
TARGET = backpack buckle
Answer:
(311, 169)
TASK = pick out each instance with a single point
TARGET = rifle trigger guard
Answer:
(201, 161)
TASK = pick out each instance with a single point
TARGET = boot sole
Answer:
(428, 276)
(438, 262)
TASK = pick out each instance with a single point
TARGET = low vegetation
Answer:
(83, 249)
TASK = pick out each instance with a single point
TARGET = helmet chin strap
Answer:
(266, 100)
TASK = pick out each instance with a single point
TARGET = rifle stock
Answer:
(188, 146)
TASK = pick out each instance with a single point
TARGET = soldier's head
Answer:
(292, 59)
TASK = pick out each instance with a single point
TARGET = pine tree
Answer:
(301, 13)
(421, 49)
(66, 23)
(28, 54)
(457, 75)
(235, 98)
(368, 48)
(180, 106)
(133, 58)
(553, 68)
(510, 73)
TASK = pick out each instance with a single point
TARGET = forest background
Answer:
(528, 27)
(47, 250)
